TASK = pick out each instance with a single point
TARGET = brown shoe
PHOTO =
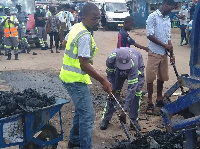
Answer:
(52, 51)
(57, 51)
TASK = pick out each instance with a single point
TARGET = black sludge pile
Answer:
(165, 140)
(28, 100)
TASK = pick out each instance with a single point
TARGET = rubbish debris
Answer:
(28, 100)
(155, 139)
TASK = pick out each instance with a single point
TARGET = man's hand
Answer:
(107, 87)
(40, 18)
(168, 47)
(172, 59)
(9, 21)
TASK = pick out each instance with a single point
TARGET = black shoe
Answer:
(9, 56)
(34, 53)
(43, 48)
(16, 57)
(28, 50)
(1, 54)
(71, 145)
(104, 125)
(159, 103)
(47, 47)
(136, 125)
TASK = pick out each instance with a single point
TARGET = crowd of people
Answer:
(53, 21)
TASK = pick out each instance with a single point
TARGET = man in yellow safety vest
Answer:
(75, 72)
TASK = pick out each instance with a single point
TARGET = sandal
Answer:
(159, 103)
(150, 109)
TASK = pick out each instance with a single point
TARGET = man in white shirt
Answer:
(66, 18)
(183, 15)
(158, 28)
(69, 20)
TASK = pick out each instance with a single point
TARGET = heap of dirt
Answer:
(164, 139)
(29, 100)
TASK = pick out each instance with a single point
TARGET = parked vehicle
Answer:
(116, 11)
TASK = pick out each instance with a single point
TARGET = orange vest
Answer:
(10, 29)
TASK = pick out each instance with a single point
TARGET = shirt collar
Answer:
(160, 14)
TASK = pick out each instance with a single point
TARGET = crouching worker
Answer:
(125, 63)
(10, 33)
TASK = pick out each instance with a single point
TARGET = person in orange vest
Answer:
(10, 33)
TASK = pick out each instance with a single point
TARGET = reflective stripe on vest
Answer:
(10, 29)
(71, 70)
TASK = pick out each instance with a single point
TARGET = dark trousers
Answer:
(56, 39)
(183, 33)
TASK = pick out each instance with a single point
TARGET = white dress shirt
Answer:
(160, 27)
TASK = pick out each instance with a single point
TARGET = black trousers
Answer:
(183, 33)
(56, 39)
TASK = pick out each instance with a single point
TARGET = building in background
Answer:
(142, 8)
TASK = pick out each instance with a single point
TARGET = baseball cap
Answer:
(123, 59)
(37, 6)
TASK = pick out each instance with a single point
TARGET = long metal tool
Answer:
(138, 134)
(137, 131)
(122, 123)
(175, 70)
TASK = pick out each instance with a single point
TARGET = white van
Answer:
(116, 11)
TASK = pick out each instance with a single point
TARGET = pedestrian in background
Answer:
(124, 39)
(10, 24)
(40, 22)
(62, 18)
(183, 15)
(23, 18)
(103, 18)
(53, 25)
(158, 26)
(124, 64)
(2, 17)
(69, 19)
(192, 10)
(75, 72)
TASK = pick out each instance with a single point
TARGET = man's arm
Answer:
(4, 21)
(84, 56)
(110, 70)
(141, 47)
(158, 42)
(85, 66)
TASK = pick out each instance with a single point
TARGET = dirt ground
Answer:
(45, 61)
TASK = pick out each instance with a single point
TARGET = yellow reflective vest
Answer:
(10, 29)
(71, 71)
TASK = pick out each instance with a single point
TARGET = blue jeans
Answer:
(83, 121)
